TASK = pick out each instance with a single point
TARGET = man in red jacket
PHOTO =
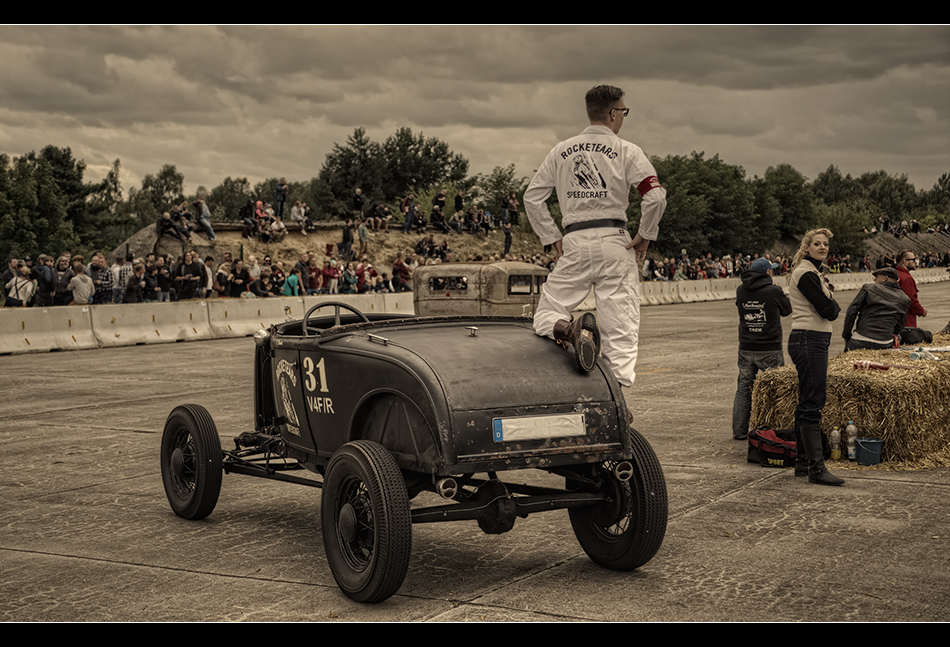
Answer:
(907, 261)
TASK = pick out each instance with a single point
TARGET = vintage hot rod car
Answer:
(384, 407)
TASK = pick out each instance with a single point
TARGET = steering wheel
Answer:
(337, 306)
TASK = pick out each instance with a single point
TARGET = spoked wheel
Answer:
(367, 528)
(627, 530)
(191, 461)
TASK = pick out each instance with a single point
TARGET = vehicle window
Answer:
(519, 284)
(439, 283)
(540, 281)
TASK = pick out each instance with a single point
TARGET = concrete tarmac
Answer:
(86, 533)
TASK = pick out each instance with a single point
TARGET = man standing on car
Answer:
(592, 174)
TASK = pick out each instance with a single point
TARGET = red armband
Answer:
(648, 183)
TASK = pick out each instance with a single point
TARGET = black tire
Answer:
(191, 461)
(367, 527)
(626, 532)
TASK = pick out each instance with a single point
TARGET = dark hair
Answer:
(599, 99)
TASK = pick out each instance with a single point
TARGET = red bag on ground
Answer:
(772, 448)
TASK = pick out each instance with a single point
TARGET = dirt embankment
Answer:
(883, 244)
(383, 246)
(381, 251)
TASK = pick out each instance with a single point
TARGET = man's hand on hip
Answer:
(640, 244)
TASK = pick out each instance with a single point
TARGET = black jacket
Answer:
(880, 310)
(761, 306)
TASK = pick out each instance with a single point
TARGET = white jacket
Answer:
(592, 174)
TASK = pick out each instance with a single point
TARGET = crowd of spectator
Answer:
(342, 269)
(70, 280)
(180, 222)
(902, 229)
(706, 267)
(732, 266)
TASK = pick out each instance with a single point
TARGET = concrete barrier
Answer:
(365, 303)
(723, 289)
(650, 293)
(244, 317)
(400, 303)
(692, 291)
(30, 330)
(931, 275)
(850, 280)
(151, 323)
(38, 330)
(667, 292)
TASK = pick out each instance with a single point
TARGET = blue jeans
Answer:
(750, 363)
(809, 350)
(207, 225)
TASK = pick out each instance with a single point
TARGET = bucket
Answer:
(867, 451)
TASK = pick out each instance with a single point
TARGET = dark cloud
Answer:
(263, 101)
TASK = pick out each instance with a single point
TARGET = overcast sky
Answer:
(264, 101)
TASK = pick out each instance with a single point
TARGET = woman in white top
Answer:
(813, 310)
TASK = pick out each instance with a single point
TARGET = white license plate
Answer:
(534, 427)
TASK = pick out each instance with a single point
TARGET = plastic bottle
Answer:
(852, 432)
(920, 353)
(835, 444)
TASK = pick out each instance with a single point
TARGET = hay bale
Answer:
(908, 409)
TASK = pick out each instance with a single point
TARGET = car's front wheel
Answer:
(191, 461)
(626, 530)
(367, 527)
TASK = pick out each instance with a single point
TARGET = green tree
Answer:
(831, 187)
(488, 189)
(384, 172)
(107, 213)
(33, 219)
(358, 164)
(226, 199)
(768, 216)
(67, 173)
(934, 204)
(92, 208)
(323, 204)
(710, 207)
(416, 163)
(891, 194)
(795, 202)
(158, 194)
(847, 221)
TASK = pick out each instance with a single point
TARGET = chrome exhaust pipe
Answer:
(447, 488)
(623, 471)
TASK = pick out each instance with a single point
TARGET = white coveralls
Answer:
(592, 174)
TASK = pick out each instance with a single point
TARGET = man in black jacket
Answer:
(880, 309)
(761, 305)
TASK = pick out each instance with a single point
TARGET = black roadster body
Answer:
(384, 407)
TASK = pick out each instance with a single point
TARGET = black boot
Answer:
(582, 334)
(801, 461)
(817, 473)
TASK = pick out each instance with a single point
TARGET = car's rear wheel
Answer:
(367, 527)
(627, 530)
(191, 461)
